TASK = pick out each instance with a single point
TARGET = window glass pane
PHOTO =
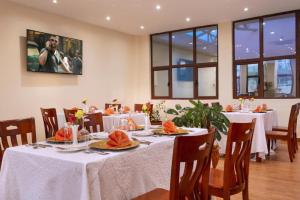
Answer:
(246, 39)
(280, 78)
(183, 82)
(207, 81)
(279, 35)
(160, 50)
(207, 44)
(247, 79)
(161, 79)
(182, 47)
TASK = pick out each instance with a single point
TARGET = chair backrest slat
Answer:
(107, 105)
(237, 158)
(50, 121)
(195, 153)
(92, 121)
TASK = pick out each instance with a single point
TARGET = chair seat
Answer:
(156, 194)
(216, 178)
(279, 128)
(277, 134)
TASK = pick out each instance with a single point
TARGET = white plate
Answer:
(70, 149)
(142, 133)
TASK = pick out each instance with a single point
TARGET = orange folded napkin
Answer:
(131, 124)
(264, 107)
(118, 139)
(229, 108)
(126, 109)
(61, 135)
(109, 111)
(258, 109)
(169, 127)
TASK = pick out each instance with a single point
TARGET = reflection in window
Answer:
(183, 82)
(207, 44)
(279, 35)
(207, 81)
(182, 47)
(161, 80)
(280, 78)
(246, 39)
(160, 50)
(247, 79)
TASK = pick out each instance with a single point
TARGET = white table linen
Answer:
(45, 174)
(264, 122)
(110, 121)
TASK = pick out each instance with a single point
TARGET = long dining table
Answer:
(29, 173)
(264, 122)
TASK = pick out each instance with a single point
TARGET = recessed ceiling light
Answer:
(280, 39)
(187, 19)
(142, 27)
(54, 1)
(157, 7)
(264, 23)
(246, 9)
(272, 32)
(108, 18)
(173, 36)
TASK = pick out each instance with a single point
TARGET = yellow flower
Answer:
(79, 114)
(84, 100)
(144, 108)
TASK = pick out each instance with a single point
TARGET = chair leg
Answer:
(290, 149)
(246, 192)
(268, 144)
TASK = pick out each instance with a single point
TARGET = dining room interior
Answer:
(119, 100)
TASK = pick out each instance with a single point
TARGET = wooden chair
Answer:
(92, 121)
(234, 178)
(288, 135)
(50, 121)
(285, 128)
(107, 105)
(12, 128)
(193, 151)
(69, 112)
(215, 104)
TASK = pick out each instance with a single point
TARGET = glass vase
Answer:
(75, 134)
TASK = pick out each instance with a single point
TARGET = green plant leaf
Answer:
(178, 107)
(172, 111)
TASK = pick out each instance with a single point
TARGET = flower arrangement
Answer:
(77, 118)
(146, 108)
(157, 110)
(243, 101)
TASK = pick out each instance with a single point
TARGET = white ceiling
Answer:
(128, 15)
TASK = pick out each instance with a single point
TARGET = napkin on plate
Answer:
(118, 139)
(169, 127)
(62, 135)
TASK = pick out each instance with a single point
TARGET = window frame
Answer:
(261, 58)
(194, 65)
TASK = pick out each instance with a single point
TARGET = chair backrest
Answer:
(69, 112)
(215, 104)
(9, 129)
(237, 157)
(139, 107)
(107, 105)
(50, 121)
(292, 126)
(92, 121)
(195, 153)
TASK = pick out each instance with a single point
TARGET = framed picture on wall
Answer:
(52, 53)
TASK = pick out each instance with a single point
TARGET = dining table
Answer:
(264, 122)
(48, 172)
(114, 120)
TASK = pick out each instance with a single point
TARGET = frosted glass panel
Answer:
(161, 79)
(183, 82)
(160, 50)
(207, 81)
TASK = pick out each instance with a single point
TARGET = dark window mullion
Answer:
(170, 66)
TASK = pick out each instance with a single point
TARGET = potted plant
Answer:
(155, 117)
(202, 116)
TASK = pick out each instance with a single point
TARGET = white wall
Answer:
(282, 106)
(108, 57)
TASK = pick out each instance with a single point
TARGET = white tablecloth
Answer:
(110, 121)
(45, 174)
(264, 122)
